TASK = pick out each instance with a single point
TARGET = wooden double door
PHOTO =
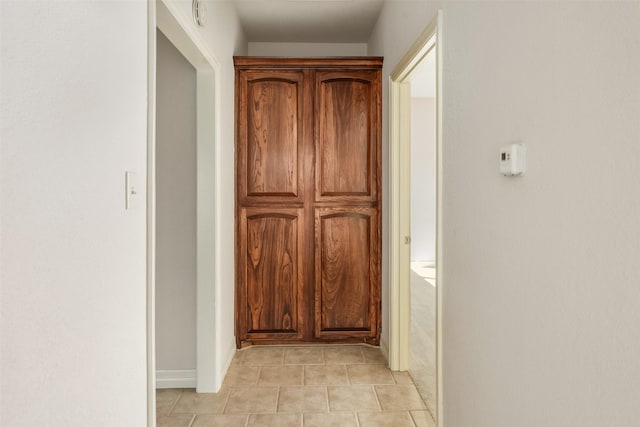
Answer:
(308, 200)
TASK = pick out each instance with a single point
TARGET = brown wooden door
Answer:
(346, 268)
(271, 273)
(308, 200)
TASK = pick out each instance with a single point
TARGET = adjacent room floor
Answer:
(342, 386)
(423, 331)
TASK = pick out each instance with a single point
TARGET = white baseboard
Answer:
(176, 379)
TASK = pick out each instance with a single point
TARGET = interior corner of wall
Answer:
(226, 357)
(384, 348)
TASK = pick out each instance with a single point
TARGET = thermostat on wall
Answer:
(512, 160)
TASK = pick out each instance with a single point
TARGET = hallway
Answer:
(346, 385)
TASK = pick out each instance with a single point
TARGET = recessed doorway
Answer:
(207, 375)
(422, 200)
(405, 225)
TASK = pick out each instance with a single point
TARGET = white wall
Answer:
(541, 272)
(398, 26)
(73, 291)
(423, 179)
(175, 209)
(307, 49)
(224, 38)
(73, 276)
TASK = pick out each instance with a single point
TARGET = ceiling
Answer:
(308, 21)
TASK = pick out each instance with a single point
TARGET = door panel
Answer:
(346, 271)
(271, 270)
(345, 136)
(270, 157)
(308, 200)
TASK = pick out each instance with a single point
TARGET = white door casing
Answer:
(399, 218)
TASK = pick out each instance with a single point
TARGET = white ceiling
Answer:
(310, 21)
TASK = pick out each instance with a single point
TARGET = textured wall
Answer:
(73, 276)
(223, 38)
(541, 273)
(175, 209)
(307, 49)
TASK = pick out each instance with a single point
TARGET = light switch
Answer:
(131, 189)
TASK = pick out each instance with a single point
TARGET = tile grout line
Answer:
(326, 394)
(277, 400)
(346, 372)
(226, 400)
(175, 402)
(375, 392)
(413, 420)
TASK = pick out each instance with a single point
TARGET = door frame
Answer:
(181, 31)
(400, 221)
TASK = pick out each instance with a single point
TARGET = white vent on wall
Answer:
(199, 12)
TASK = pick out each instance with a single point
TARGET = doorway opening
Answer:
(422, 200)
(165, 22)
(403, 230)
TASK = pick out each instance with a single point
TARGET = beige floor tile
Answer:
(239, 375)
(369, 374)
(256, 356)
(325, 374)
(399, 397)
(165, 399)
(342, 355)
(423, 419)
(333, 419)
(175, 420)
(373, 355)
(385, 419)
(280, 375)
(352, 398)
(220, 420)
(264, 387)
(402, 377)
(191, 402)
(245, 400)
(238, 357)
(303, 356)
(303, 399)
(275, 420)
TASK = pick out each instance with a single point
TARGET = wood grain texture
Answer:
(344, 149)
(346, 135)
(341, 63)
(270, 126)
(308, 200)
(271, 271)
(347, 271)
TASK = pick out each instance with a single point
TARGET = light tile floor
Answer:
(323, 386)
